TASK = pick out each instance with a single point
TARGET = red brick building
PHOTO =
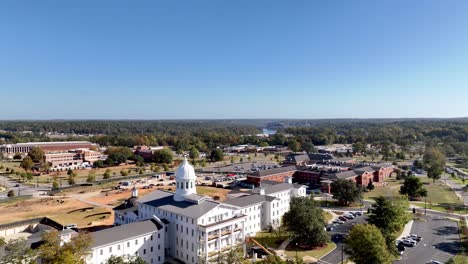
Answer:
(277, 174)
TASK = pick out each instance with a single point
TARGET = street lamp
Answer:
(296, 251)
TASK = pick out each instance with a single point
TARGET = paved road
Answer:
(21, 189)
(457, 188)
(335, 256)
(440, 241)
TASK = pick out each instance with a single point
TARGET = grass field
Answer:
(462, 256)
(315, 253)
(270, 240)
(440, 197)
(391, 189)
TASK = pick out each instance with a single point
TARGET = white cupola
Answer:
(185, 181)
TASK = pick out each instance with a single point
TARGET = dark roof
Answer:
(274, 171)
(165, 201)
(345, 174)
(128, 204)
(249, 200)
(124, 232)
(320, 156)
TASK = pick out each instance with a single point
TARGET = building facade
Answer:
(198, 228)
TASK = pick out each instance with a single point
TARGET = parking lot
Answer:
(440, 241)
(337, 235)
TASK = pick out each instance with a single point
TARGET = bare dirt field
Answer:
(63, 210)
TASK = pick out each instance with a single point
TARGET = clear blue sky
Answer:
(233, 59)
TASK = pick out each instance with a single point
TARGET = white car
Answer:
(409, 243)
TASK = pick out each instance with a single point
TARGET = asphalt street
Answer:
(21, 189)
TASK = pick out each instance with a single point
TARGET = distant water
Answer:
(268, 131)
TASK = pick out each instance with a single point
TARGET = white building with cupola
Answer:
(195, 228)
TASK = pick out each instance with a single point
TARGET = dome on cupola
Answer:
(185, 171)
(185, 181)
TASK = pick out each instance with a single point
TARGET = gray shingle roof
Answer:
(249, 200)
(274, 171)
(165, 201)
(278, 188)
(364, 169)
(123, 232)
(345, 174)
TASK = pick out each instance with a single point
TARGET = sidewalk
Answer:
(406, 230)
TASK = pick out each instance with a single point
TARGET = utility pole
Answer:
(342, 251)
(425, 207)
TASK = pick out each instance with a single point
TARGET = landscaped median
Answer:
(462, 256)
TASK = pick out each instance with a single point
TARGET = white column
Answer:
(206, 246)
(232, 235)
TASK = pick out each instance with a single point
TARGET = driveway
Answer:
(341, 230)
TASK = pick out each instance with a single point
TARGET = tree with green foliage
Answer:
(163, 156)
(294, 145)
(91, 176)
(413, 187)
(365, 244)
(2, 241)
(389, 216)
(69, 172)
(71, 179)
(345, 191)
(141, 171)
(233, 256)
(107, 174)
(125, 260)
(36, 154)
(305, 221)
(99, 164)
(55, 185)
(27, 163)
(359, 147)
(124, 172)
(17, 156)
(434, 161)
(74, 251)
(194, 153)
(18, 251)
(370, 186)
(217, 155)
(11, 193)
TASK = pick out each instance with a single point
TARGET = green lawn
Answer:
(315, 253)
(269, 240)
(462, 256)
(440, 197)
(327, 216)
(391, 189)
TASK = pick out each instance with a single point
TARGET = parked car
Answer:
(415, 237)
(70, 226)
(342, 218)
(358, 213)
(410, 238)
(434, 262)
(339, 222)
(409, 243)
(329, 228)
(146, 187)
(349, 216)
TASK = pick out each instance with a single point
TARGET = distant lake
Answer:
(268, 131)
